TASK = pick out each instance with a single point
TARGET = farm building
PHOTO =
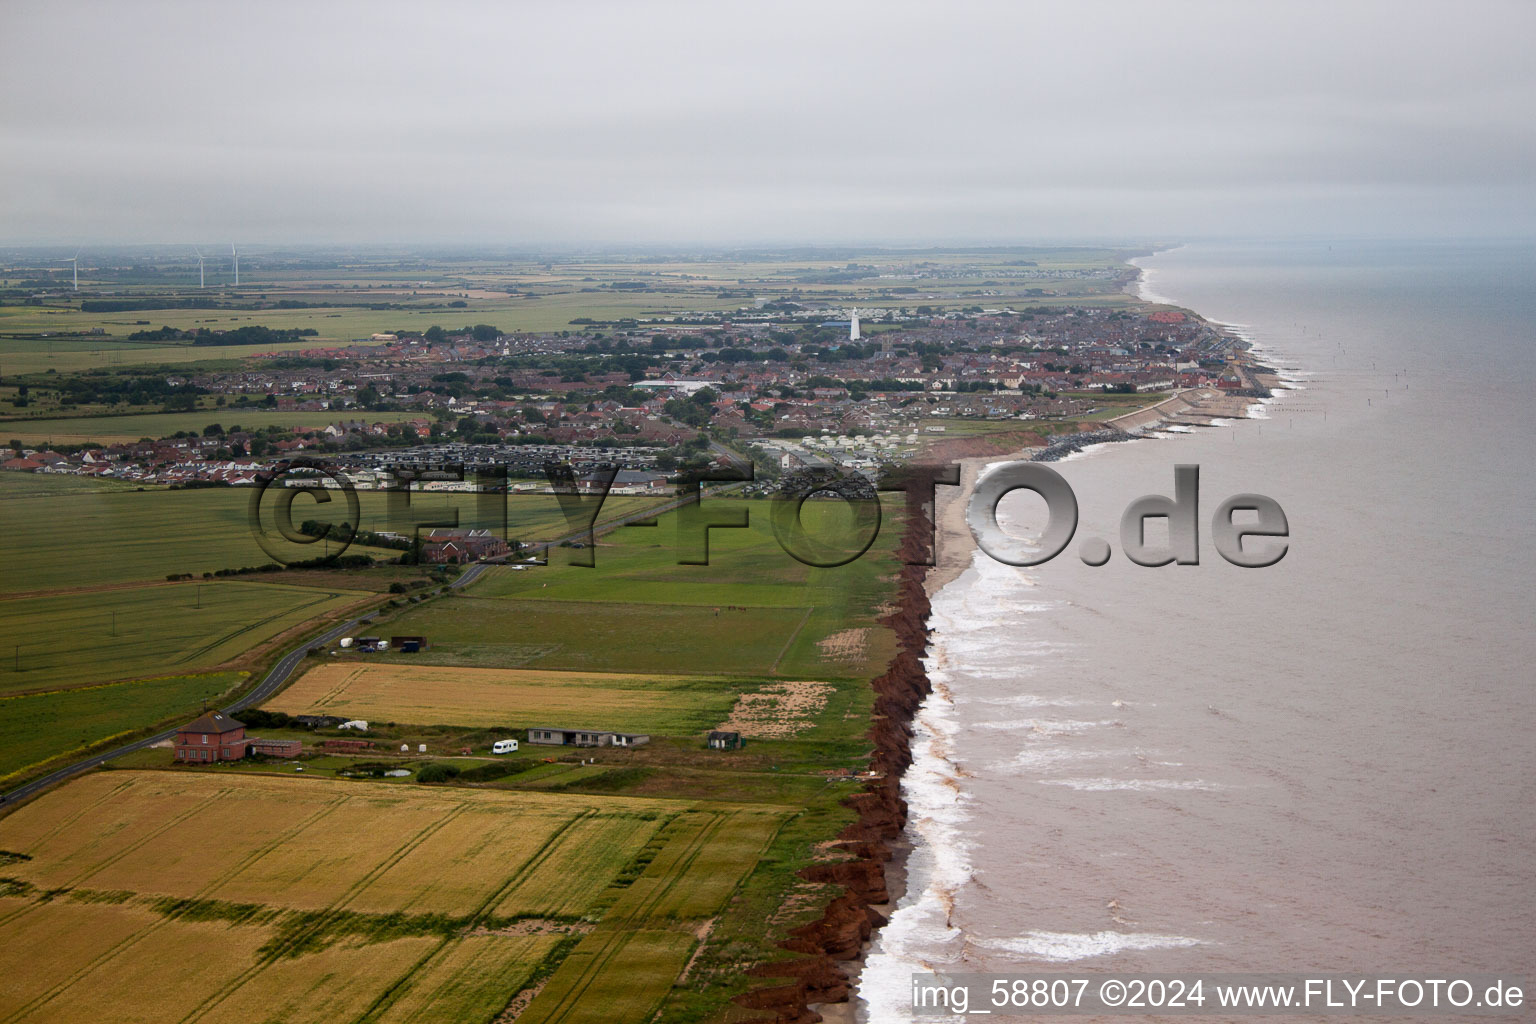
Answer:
(408, 644)
(725, 740)
(585, 738)
(214, 736)
(275, 748)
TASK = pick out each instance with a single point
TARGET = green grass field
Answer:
(120, 429)
(79, 639)
(601, 636)
(60, 531)
(39, 727)
(754, 610)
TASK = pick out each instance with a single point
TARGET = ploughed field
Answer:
(190, 896)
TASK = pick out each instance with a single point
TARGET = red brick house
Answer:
(461, 546)
(214, 736)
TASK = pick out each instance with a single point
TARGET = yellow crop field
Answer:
(45, 945)
(706, 856)
(579, 867)
(337, 984)
(699, 880)
(451, 871)
(170, 895)
(614, 973)
(489, 697)
(472, 979)
(166, 971)
(611, 976)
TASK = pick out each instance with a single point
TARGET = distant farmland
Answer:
(126, 429)
(154, 896)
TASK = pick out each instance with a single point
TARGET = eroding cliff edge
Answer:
(850, 918)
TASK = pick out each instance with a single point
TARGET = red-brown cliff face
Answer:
(849, 919)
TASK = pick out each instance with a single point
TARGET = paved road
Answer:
(279, 673)
(274, 680)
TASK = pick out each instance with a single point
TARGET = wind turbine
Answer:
(236, 257)
(200, 281)
(74, 263)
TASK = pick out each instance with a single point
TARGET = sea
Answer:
(1328, 764)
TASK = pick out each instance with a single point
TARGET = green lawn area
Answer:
(87, 637)
(61, 531)
(537, 517)
(49, 485)
(754, 610)
(601, 636)
(40, 726)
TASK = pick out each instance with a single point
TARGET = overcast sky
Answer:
(782, 122)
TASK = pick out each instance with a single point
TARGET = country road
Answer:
(278, 675)
(274, 680)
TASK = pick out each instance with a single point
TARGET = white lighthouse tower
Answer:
(853, 325)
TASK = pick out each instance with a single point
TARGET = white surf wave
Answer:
(1104, 784)
(919, 935)
(1061, 947)
(1048, 726)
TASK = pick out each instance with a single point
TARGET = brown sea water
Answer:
(1328, 764)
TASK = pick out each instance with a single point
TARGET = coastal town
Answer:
(444, 650)
(798, 388)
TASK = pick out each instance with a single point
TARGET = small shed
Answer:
(719, 740)
(346, 746)
(276, 748)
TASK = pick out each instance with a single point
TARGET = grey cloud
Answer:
(795, 121)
